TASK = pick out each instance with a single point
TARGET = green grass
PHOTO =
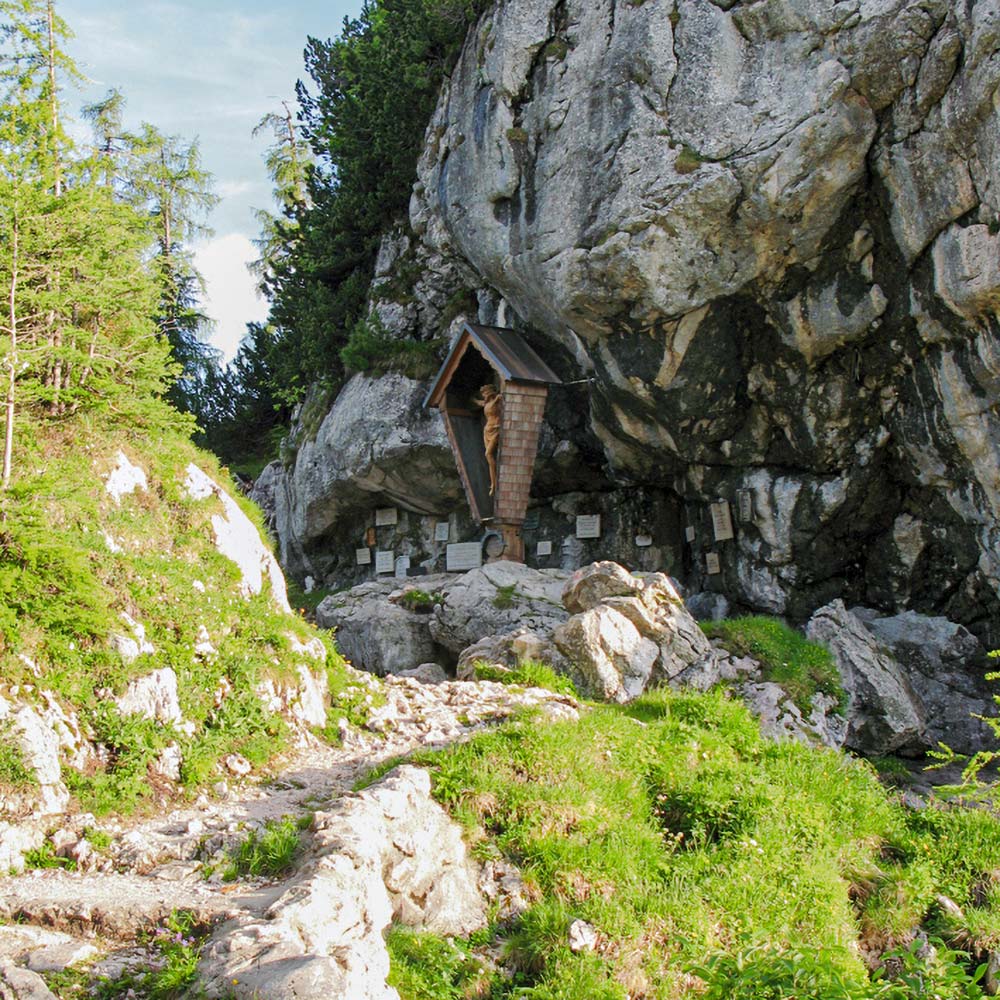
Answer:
(528, 673)
(63, 591)
(270, 852)
(44, 856)
(15, 772)
(801, 667)
(428, 967)
(505, 597)
(699, 851)
(416, 599)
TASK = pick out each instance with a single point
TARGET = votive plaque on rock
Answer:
(588, 526)
(385, 561)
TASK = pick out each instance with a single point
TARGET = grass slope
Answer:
(63, 591)
(710, 862)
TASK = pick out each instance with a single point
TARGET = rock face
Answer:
(884, 714)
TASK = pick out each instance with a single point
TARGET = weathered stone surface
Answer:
(17, 983)
(945, 666)
(43, 950)
(375, 634)
(40, 747)
(153, 696)
(125, 478)
(387, 853)
(497, 598)
(238, 539)
(707, 606)
(376, 447)
(883, 711)
(608, 656)
(591, 584)
(780, 718)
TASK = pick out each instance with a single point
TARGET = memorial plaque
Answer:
(531, 520)
(464, 555)
(442, 531)
(385, 562)
(588, 526)
(745, 500)
(689, 532)
(386, 516)
(643, 541)
(402, 565)
(363, 557)
(712, 563)
(370, 537)
(722, 521)
(544, 549)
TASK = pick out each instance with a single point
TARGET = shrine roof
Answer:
(504, 349)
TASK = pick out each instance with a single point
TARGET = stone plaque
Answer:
(463, 556)
(531, 520)
(722, 521)
(363, 557)
(402, 565)
(643, 541)
(712, 563)
(385, 562)
(544, 549)
(588, 526)
(370, 537)
(689, 532)
(442, 531)
(744, 499)
(385, 516)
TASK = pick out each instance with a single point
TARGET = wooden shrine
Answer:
(490, 356)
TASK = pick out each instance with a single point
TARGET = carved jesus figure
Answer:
(492, 403)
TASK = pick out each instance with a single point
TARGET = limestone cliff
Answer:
(768, 231)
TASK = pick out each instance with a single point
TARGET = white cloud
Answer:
(231, 298)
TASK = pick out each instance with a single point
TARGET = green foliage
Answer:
(695, 847)
(416, 599)
(428, 967)
(44, 856)
(505, 597)
(271, 851)
(371, 350)
(688, 160)
(801, 667)
(528, 673)
(14, 770)
(364, 113)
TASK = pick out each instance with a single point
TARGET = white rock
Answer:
(582, 936)
(237, 539)
(153, 696)
(125, 478)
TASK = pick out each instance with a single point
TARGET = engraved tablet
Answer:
(385, 562)
(442, 531)
(745, 501)
(544, 549)
(463, 556)
(643, 541)
(363, 557)
(588, 526)
(722, 521)
(689, 532)
(712, 563)
(386, 516)
(402, 565)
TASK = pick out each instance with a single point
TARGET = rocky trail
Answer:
(364, 859)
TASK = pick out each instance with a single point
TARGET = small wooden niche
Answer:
(490, 355)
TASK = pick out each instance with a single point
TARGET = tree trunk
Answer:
(53, 97)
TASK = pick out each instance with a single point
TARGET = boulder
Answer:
(884, 714)
(591, 584)
(945, 665)
(707, 606)
(495, 599)
(608, 656)
(153, 696)
(780, 718)
(375, 634)
(510, 650)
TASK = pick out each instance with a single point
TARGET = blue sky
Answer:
(209, 70)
